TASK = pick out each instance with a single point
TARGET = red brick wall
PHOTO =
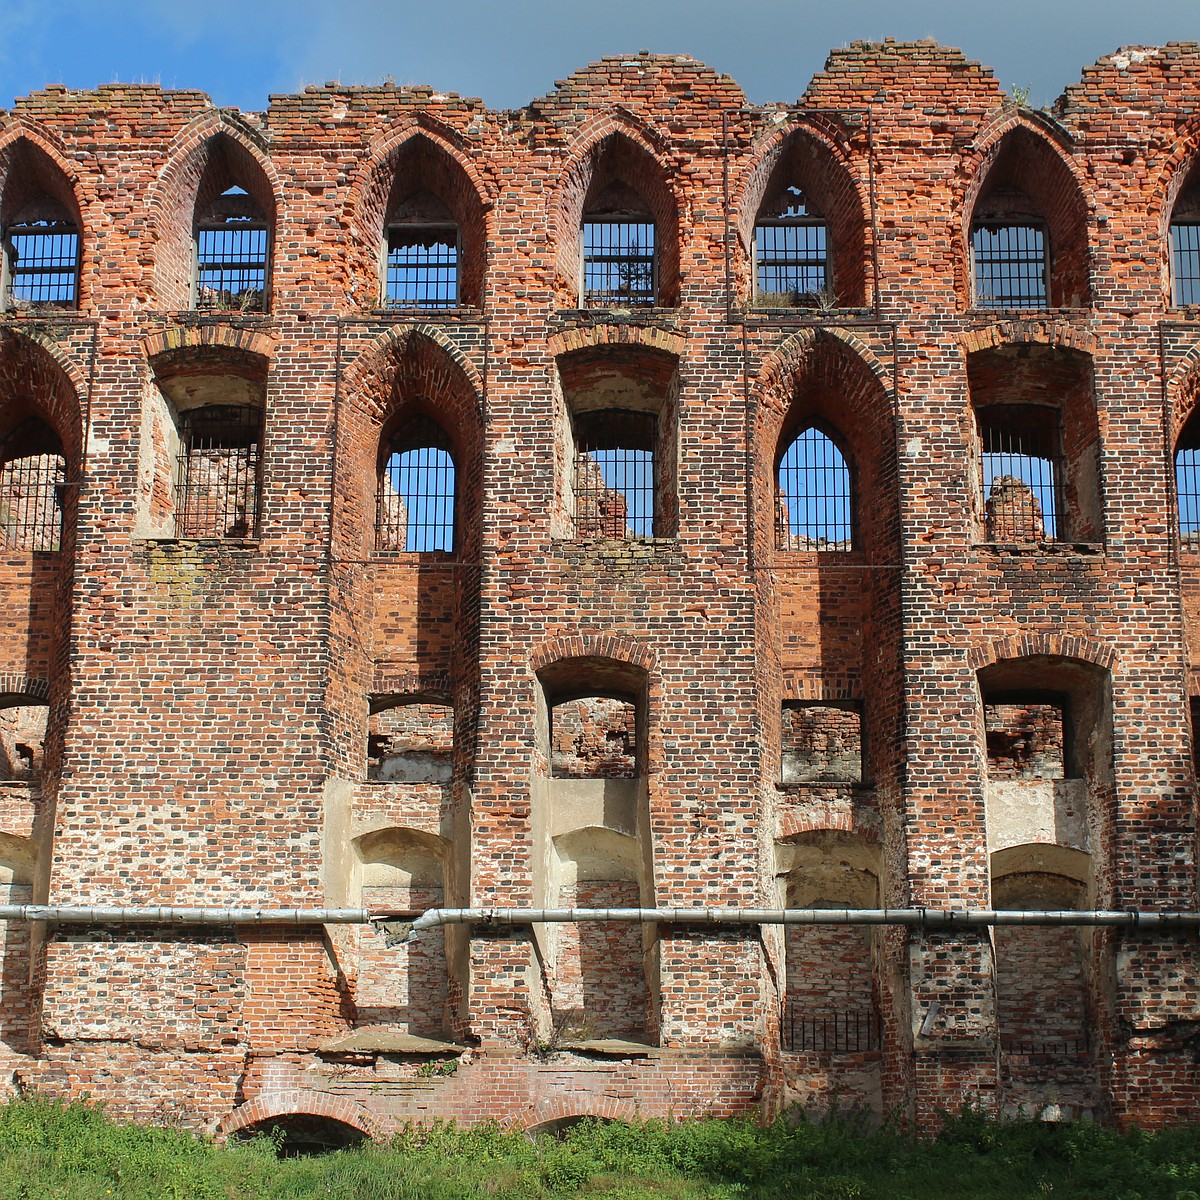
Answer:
(208, 702)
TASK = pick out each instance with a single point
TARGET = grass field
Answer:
(75, 1153)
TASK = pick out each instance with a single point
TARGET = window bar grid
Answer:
(1010, 266)
(814, 511)
(218, 474)
(1187, 492)
(618, 264)
(791, 259)
(850, 1032)
(422, 269)
(414, 509)
(1020, 485)
(44, 265)
(1185, 263)
(31, 502)
(231, 267)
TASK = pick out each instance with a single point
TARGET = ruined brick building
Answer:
(637, 499)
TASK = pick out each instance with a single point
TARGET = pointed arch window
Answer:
(41, 260)
(218, 474)
(232, 252)
(1187, 485)
(414, 508)
(1185, 244)
(791, 253)
(1011, 265)
(1022, 468)
(814, 498)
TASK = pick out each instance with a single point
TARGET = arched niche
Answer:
(829, 1002)
(801, 165)
(404, 986)
(421, 225)
(200, 463)
(617, 180)
(1042, 971)
(410, 739)
(598, 979)
(41, 228)
(616, 443)
(1029, 204)
(219, 183)
(1037, 444)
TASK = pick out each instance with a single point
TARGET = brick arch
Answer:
(821, 685)
(411, 683)
(34, 164)
(32, 688)
(1183, 393)
(829, 820)
(585, 337)
(588, 645)
(300, 1103)
(554, 1112)
(1061, 334)
(174, 196)
(810, 154)
(409, 370)
(829, 378)
(181, 337)
(442, 164)
(1052, 181)
(37, 376)
(1041, 644)
(564, 215)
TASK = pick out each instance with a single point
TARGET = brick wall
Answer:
(209, 701)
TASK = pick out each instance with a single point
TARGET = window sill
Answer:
(801, 786)
(414, 556)
(408, 312)
(1042, 549)
(247, 545)
(819, 558)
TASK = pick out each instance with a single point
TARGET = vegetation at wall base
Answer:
(74, 1152)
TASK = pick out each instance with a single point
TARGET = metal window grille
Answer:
(614, 474)
(1021, 483)
(1185, 263)
(853, 1032)
(792, 261)
(814, 505)
(1010, 266)
(1080, 1047)
(1187, 494)
(414, 508)
(217, 487)
(231, 266)
(618, 264)
(422, 267)
(31, 488)
(43, 262)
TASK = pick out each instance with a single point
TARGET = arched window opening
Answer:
(32, 480)
(232, 253)
(814, 504)
(1011, 265)
(422, 255)
(41, 255)
(620, 261)
(594, 737)
(218, 471)
(1185, 243)
(414, 508)
(615, 473)
(410, 741)
(821, 742)
(791, 253)
(302, 1135)
(1022, 465)
(1187, 485)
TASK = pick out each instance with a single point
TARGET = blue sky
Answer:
(511, 51)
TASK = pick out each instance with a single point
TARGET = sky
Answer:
(509, 52)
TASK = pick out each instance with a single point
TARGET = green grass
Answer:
(76, 1153)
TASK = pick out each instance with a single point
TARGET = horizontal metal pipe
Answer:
(924, 918)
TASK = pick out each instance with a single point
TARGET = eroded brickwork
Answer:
(980, 697)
